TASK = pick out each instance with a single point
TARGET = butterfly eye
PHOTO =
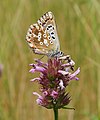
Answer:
(61, 53)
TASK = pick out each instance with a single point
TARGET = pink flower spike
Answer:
(54, 77)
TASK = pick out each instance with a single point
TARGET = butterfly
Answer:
(42, 36)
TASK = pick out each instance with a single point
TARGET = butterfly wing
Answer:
(37, 40)
(42, 37)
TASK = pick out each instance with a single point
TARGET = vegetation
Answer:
(78, 25)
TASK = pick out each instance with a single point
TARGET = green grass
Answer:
(78, 25)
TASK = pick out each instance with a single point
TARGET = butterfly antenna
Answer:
(41, 57)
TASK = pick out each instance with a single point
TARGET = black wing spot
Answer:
(53, 28)
(49, 26)
(53, 37)
(52, 33)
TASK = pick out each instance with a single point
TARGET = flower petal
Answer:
(63, 72)
(32, 70)
(40, 69)
(45, 93)
(35, 93)
(54, 94)
(73, 76)
(64, 57)
(39, 101)
(40, 63)
(31, 64)
(66, 65)
(32, 80)
(72, 63)
(61, 85)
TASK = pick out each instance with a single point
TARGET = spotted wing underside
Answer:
(42, 37)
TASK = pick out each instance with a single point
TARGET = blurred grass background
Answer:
(78, 25)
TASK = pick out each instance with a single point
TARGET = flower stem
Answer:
(55, 113)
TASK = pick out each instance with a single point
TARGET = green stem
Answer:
(55, 113)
